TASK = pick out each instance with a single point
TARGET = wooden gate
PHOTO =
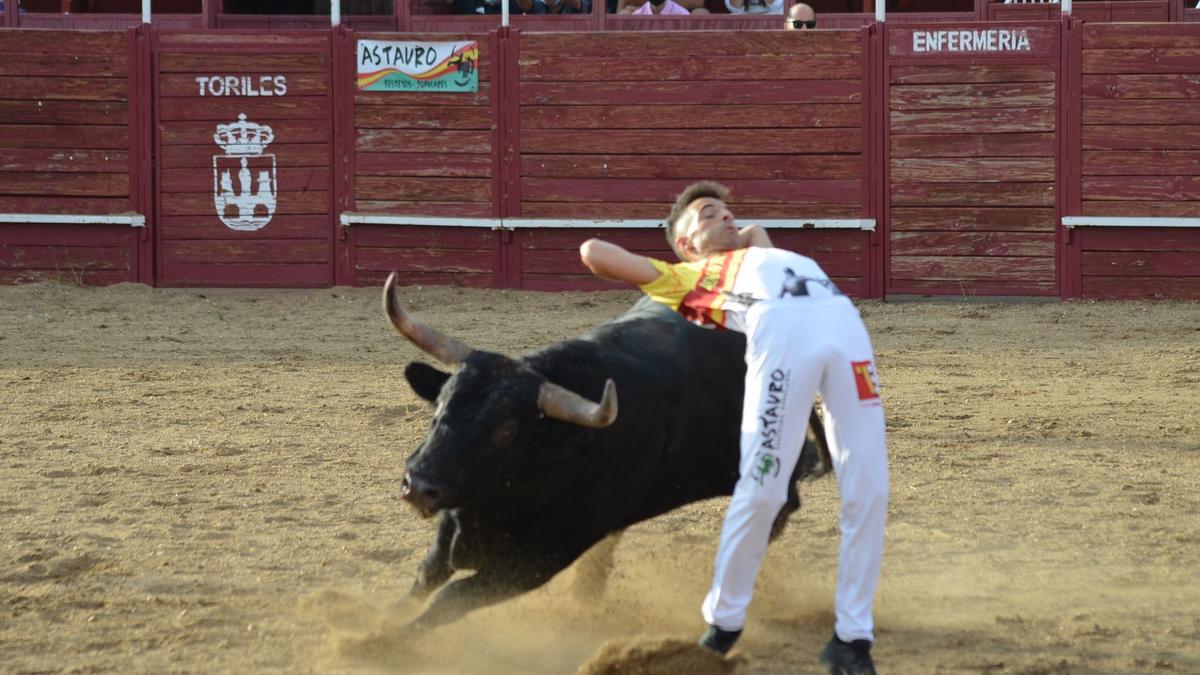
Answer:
(244, 139)
(972, 153)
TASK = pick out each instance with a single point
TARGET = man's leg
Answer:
(781, 384)
(854, 425)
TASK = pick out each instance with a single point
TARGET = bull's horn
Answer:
(564, 404)
(444, 348)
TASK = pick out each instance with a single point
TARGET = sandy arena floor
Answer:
(206, 481)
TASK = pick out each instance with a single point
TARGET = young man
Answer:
(803, 337)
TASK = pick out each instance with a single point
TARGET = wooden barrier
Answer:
(615, 125)
(972, 150)
(424, 154)
(245, 136)
(72, 149)
(1140, 161)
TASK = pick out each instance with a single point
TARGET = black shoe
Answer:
(848, 658)
(720, 641)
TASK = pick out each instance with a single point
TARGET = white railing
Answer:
(351, 218)
(1071, 222)
(130, 219)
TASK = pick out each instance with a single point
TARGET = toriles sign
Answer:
(242, 85)
(418, 66)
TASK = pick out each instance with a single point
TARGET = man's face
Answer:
(709, 229)
(800, 13)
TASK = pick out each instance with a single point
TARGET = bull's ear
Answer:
(425, 380)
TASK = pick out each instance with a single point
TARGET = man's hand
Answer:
(609, 261)
(754, 235)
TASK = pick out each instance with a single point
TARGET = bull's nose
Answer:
(421, 494)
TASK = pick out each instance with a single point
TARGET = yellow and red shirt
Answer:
(718, 290)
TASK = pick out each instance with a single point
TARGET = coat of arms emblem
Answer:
(244, 182)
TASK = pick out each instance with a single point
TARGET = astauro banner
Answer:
(418, 66)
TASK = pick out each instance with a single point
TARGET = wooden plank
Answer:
(233, 63)
(389, 98)
(288, 180)
(819, 191)
(101, 43)
(423, 117)
(1171, 209)
(959, 96)
(1141, 112)
(67, 234)
(422, 164)
(757, 67)
(173, 85)
(64, 258)
(1167, 239)
(82, 277)
(425, 208)
(973, 287)
(200, 133)
(714, 92)
(443, 238)
(202, 204)
(990, 269)
(565, 241)
(65, 88)
(1119, 36)
(1148, 163)
(255, 109)
(572, 46)
(745, 212)
(1140, 288)
(973, 145)
(1146, 137)
(51, 160)
(995, 219)
(972, 243)
(58, 205)
(966, 74)
(686, 141)
(423, 140)
(717, 167)
(974, 121)
(1140, 263)
(1137, 61)
(691, 116)
(973, 169)
(366, 277)
(64, 112)
(246, 251)
(424, 189)
(445, 261)
(1141, 188)
(209, 227)
(64, 136)
(1156, 86)
(69, 64)
(972, 194)
(287, 155)
(270, 42)
(243, 275)
(64, 184)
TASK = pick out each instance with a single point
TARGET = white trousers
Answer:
(796, 348)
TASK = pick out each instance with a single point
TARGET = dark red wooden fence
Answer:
(73, 173)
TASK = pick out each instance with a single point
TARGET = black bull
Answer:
(521, 494)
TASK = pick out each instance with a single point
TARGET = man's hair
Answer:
(705, 188)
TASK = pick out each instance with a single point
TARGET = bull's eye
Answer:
(503, 435)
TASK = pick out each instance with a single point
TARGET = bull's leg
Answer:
(435, 569)
(488, 586)
(814, 462)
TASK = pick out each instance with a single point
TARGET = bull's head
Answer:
(482, 411)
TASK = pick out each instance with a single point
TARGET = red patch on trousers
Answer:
(866, 380)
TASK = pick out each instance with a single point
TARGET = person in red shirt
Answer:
(803, 337)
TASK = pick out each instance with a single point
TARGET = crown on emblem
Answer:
(242, 137)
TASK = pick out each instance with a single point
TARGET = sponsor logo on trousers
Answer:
(770, 421)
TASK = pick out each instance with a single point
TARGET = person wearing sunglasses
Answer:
(800, 17)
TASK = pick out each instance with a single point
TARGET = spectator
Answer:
(754, 6)
(800, 17)
(564, 6)
(493, 7)
(669, 7)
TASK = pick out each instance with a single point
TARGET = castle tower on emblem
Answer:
(244, 182)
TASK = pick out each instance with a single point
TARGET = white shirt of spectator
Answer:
(756, 7)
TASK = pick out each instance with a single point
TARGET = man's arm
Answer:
(754, 235)
(609, 261)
